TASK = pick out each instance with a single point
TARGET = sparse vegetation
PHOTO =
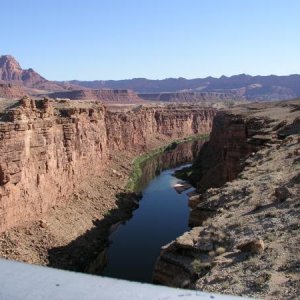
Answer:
(108, 214)
(220, 250)
(199, 266)
(139, 161)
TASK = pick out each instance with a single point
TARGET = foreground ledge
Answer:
(24, 281)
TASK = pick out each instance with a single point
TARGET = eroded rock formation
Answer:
(48, 146)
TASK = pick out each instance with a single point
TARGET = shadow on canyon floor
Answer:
(83, 253)
(87, 252)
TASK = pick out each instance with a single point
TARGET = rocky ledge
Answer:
(246, 238)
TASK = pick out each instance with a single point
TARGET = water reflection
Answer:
(181, 154)
(162, 216)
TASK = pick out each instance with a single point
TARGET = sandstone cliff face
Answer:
(9, 68)
(233, 137)
(138, 126)
(47, 147)
(44, 154)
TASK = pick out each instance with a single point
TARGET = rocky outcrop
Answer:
(48, 146)
(239, 245)
(106, 96)
(10, 69)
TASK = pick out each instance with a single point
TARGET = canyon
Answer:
(63, 162)
(64, 166)
(245, 218)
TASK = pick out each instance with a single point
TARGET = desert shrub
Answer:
(199, 266)
(220, 250)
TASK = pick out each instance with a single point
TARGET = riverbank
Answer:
(135, 245)
(138, 162)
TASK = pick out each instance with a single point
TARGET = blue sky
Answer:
(119, 39)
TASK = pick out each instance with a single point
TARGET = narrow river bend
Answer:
(161, 217)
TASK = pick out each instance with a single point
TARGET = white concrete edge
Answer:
(23, 281)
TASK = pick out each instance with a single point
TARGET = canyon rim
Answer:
(64, 162)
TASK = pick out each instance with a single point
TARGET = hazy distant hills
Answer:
(248, 87)
(15, 81)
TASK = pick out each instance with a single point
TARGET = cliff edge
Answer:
(245, 237)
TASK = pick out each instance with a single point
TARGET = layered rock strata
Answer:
(140, 125)
(192, 96)
(106, 96)
(239, 245)
(47, 147)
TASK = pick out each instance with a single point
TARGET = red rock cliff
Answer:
(47, 147)
(233, 137)
(43, 153)
(138, 126)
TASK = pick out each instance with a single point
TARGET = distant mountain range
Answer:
(244, 87)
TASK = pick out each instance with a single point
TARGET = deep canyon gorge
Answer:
(47, 150)
(64, 165)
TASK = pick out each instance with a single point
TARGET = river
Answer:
(161, 217)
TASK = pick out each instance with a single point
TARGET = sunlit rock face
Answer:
(48, 146)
